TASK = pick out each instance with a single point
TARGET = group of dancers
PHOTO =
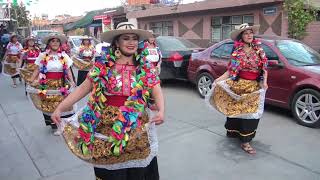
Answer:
(114, 131)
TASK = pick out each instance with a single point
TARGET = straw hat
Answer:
(125, 28)
(239, 29)
(61, 37)
(29, 38)
(13, 35)
(155, 35)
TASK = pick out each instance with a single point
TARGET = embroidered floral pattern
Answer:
(43, 71)
(255, 61)
(104, 75)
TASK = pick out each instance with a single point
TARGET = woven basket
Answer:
(137, 148)
(82, 64)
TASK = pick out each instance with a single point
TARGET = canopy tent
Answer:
(86, 21)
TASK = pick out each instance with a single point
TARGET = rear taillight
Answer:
(175, 57)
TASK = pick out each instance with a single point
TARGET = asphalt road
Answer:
(192, 143)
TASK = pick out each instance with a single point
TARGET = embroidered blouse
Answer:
(54, 65)
(120, 83)
(14, 48)
(254, 61)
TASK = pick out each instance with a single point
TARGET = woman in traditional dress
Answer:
(120, 80)
(29, 54)
(86, 53)
(53, 73)
(152, 50)
(247, 70)
(12, 59)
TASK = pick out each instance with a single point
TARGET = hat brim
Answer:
(62, 38)
(110, 35)
(234, 34)
(28, 39)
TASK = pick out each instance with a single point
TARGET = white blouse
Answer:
(14, 48)
(87, 53)
(54, 65)
(153, 55)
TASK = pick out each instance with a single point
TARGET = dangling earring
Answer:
(117, 53)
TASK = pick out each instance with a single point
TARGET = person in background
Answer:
(12, 58)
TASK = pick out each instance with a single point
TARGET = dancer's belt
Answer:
(248, 75)
(31, 60)
(54, 75)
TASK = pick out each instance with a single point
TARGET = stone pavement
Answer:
(192, 143)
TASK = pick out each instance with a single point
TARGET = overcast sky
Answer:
(74, 7)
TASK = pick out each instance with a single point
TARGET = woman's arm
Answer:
(34, 76)
(71, 99)
(223, 77)
(70, 77)
(265, 79)
(159, 100)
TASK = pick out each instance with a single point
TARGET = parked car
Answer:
(176, 53)
(294, 74)
(39, 35)
(75, 42)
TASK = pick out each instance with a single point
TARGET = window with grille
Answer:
(163, 28)
(221, 26)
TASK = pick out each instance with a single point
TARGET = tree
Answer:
(20, 13)
(299, 16)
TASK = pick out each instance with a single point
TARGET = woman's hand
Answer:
(264, 85)
(56, 116)
(158, 118)
(73, 84)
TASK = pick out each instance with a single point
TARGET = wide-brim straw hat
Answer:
(154, 34)
(13, 35)
(29, 38)
(61, 37)
(239, 29)
(125, 28)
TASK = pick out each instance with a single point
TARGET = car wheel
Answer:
(204, 84)
(306, 107)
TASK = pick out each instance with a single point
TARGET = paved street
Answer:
(193, 145)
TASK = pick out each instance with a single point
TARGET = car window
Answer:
(223, 51)
(271, 55)
(227, 50)
(298, 54)
(175, 44)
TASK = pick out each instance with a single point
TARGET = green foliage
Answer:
(299, 16)
(20, 14)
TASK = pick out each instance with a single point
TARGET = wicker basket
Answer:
(10, 69)
(137, 148)
(12, 59)
(231, 107)
(82, 64)
(48, 103)
(25, 74)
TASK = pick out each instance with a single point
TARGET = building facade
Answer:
(208, 22)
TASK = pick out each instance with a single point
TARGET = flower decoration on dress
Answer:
(83, 48)
(237, 58)
(127, 117)
(43, 87)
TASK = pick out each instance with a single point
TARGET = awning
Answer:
(96, 25)
(86, 21)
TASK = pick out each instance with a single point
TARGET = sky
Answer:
(74, 7)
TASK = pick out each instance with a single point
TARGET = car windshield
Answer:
(43, 34)
(175, 44)
(77, 41)
(298, 54)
